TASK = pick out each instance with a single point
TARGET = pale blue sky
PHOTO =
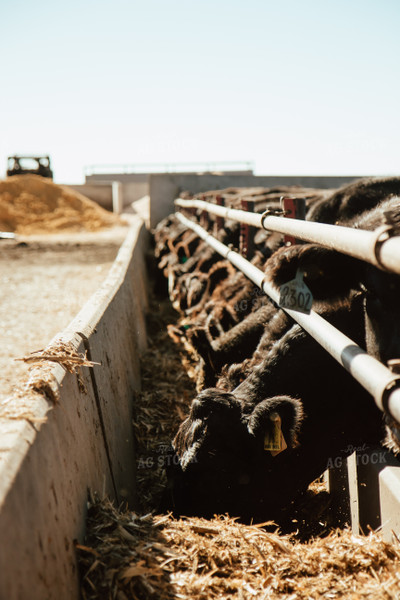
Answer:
(297, 87)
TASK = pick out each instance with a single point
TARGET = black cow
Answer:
(327, 270)
(217, 343)
(354, 199)
(220, 464)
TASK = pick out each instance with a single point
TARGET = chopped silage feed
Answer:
(143, 555)
(128, 555)
(30, 204)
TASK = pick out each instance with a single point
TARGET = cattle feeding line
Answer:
(374, 377)
(376, 247)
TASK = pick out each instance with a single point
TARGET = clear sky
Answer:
(295, 86)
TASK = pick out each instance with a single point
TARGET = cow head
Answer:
(219, 463)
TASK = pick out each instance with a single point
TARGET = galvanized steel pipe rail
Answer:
(375, 247)
(377, 379)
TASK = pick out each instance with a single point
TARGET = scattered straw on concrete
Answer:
(30, 204)
(42, 378)
(42, 384)
(62, 354)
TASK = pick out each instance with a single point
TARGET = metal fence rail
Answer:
(376, 247)
(377, 379)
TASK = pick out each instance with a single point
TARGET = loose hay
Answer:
(42, 383)
(163, 403)
(63, 354)
(138, 555)
(131, 556)
(30, 204)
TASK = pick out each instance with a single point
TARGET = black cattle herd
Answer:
(272, 406)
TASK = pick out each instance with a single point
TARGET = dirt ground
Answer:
(45, 281)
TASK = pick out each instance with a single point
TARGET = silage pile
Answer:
(142, 555)
(30, 204)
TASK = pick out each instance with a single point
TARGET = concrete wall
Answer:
(139, 178)
(164, 188)
(134, 185)
(144, 178)
(133, 191)
(102, 192)
(86, 441)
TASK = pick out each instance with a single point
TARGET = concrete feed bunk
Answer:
(68, 432)
(45, 282)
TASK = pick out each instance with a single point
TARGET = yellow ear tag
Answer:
(274, 441)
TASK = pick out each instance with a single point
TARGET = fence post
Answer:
(219, 221)
(246, 239)
(191, 212)
(295, 208)
(204, 216)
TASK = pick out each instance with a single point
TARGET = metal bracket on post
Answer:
(294, 208)
(247, 232)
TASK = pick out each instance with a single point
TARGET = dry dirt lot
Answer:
(45, 281)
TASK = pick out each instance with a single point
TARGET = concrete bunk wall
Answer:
(85, 443)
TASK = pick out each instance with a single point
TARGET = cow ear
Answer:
(276, 422)
(326, 272)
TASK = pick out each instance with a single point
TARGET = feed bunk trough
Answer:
(68, 429)
(85, 441)
(377, 247)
